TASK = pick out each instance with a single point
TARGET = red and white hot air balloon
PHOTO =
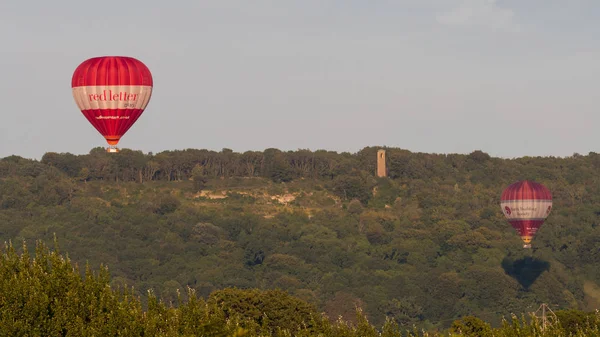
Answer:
(112, 93)
(526, 204)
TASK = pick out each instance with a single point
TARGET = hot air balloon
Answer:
(112, 93)
(526, 204)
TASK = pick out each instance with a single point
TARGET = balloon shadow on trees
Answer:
(525, 270)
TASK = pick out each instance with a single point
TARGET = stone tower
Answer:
(381, 168)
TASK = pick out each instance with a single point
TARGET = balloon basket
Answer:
(527, 246)
(112, 149)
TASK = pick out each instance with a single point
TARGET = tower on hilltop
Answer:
(381, 168)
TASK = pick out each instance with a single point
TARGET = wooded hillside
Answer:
(424, 246)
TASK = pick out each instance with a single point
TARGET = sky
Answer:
(511, 78)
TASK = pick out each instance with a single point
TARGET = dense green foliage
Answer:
(425, 246)
(46, 295)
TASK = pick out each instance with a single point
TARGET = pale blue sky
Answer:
(511, 78)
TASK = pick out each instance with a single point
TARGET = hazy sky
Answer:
(511, 78)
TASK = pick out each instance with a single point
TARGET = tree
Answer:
(199, 177)
(471, 326)
(272, 309)
(352, 187)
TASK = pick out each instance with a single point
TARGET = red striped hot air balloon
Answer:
(112, 93)
(526, 204)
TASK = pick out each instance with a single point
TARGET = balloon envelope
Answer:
(526, 204)
(112, 93)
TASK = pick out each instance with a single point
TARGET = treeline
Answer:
(350, 176)
(46, 295)
(281, 166)
(130, 165)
